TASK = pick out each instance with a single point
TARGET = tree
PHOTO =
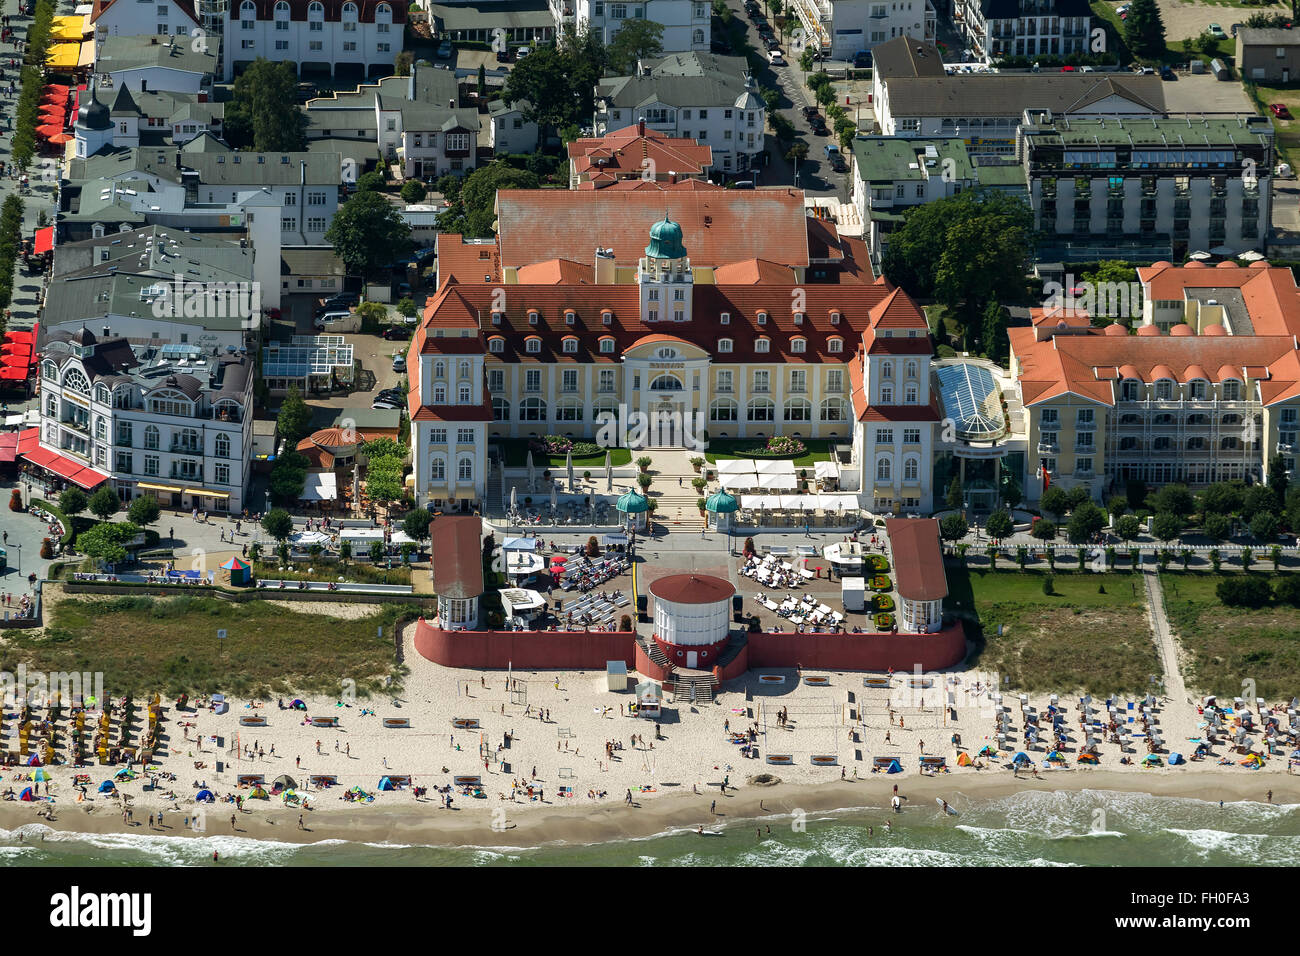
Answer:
(1055, 501)
(1120, 274)
(1263, 527)
(402, 63)
(482, 80)
(413, 191)
(294, 421)
(1216, 527)
(797, 153)
(143, 510)
(278, 524)
(104, 503)
(383, 448)
(541, 86)
(1117, 506)
(1086, 521)
(107, 542)
(1222, 498)
(376, 552)
(406, 307)
(1246, 591)
(993, 336)
(416, 524)
(1278, 479)
(473, 211)
(1000, 525)
(1167, 525)
(1269, 21)
(1287, 590)
(967, 251)
(368, 233)
(953, 527)
(384, 478)
(806, 61)
(1144, 29)
(345, 551)
(1043, 530)
(263, 110)
(1174, 499)
(1256, 499)
(637, 40)
(72, 502)
(289, 476)
(370, 182)
(1128, 527)
(1204, 42)
(953, 499)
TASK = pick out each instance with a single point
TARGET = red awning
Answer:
(27, 440)
(8, 446)
(20, 349)
(65, 467)
(16, 361)
(44, 240)
(14, 374)
(14, 335)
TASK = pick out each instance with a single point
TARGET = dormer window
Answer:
(762, 344)
(607, 317)
(533, 345)
(798, 318)
(762, 318)
(725, 318)
(607, 346)
(798, 344)
(570, 345)
(570, 317)
(533, 316)
(724, 345)
(496, 344)
(835, 318)
(497, 317)
(835, 344)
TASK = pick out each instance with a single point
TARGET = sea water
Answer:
(1032, 828)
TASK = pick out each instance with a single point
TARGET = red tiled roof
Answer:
(692, 589)
(718, 226)
(185, 6)
(1269, 292)
(456, 550)
(918, 558)
(629, 153)
(452, 413)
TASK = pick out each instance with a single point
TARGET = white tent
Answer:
(826, 469)
(774, 467)
(775, 482)
(731, 466)
(789, 502)
(305, 539)
(810, 502)
(738, 480)
(750, 502)
(520, 544)
(320, 486)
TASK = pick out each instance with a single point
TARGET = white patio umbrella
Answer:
(568, 466)
(609, 472)
(514, 503)
(1199, 256)
(532, 472)
(555, 495)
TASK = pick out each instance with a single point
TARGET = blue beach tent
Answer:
(894, 767)
(106, 787)
(386, 784)
(204, 796)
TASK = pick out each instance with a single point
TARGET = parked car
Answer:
(1280, 111)
(505, 56)
(385, 404)
(819, 126)
(1167, 74)
(395, 333)
(1216, 31)
(774, 57)
(444, 50)
(399, 363)
(810, 113)
(862, 59)
(830, 150)
(838, 164)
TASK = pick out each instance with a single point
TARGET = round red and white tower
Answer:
(692, 617)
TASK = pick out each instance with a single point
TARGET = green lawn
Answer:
(1287, 132)
(516, 456)
(817, 449)
(1077, 639)
(170, 645)
(1226, 645)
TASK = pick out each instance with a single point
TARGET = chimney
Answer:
(605, 271)
(640, 127)
(672, 178)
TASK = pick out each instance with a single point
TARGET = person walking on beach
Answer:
(297, 762)
(300, 826)
(232, 822)
(628, 798)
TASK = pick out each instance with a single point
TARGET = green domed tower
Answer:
(665, 275)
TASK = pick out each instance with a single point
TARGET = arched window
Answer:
(1229, 444)
(315, 12)
(798, 410)
(188, 440)
(349, 11)
(169, 402)
(465, 469)
(221, 447)
(697, 38)
(1196, 388)
(101, 429)
(886, 369)
(500, 410)
(835, 410)
(723, 410)
(151, 437)
(247, 10)
(75, 380)
(1165, 389)
(761, 410)
(281, 10)
(884, 468)
(1232, 390)
(440, 369)
(464, 369)
(666, 383)
(532, 410)
(911, 469)
(569, 411)
(911, 369)
(50, 371)
(1131, 390)
(437, 469)
(384, 12)
(102, 394)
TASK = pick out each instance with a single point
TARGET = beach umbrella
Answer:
(568, 466)
(555, 495)
(62, 138)
(48, 130)
(514, 499)
(39, 776)
(532, 472)
(609, 471)
(1199, 256)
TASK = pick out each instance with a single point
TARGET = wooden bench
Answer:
(467, 781)
(324, 721)
(465, 723)
(824, 760)
(817, 681)
(252, 721)
(250, 780)
(771, 678)
(782, 760)
(323, 780)
(397, 723)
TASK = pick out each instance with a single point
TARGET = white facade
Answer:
(686, 23)
(692, 624)
(448, 455)
(510, 132)
(131, 18)
(841, 28)
(312, 39)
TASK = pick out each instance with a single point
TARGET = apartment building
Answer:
(1133, 189)
(129, 18)
(633, 155)
(1206, 389)
(686, 23)
(1268, 55)
(749, 332)
(701, 96)
(1028, 28)
(351, 38)
(841, 28)
(158, 62)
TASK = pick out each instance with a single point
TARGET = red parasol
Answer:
(45, 132)
(62, 138)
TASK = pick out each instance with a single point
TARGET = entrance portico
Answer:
(665, 392)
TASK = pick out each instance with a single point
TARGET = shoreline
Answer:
(426, 824)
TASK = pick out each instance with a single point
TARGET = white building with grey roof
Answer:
(702, 96)
(173, 64)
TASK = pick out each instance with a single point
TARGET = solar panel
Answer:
(972, 399)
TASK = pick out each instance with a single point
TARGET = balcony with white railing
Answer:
(814, 20)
